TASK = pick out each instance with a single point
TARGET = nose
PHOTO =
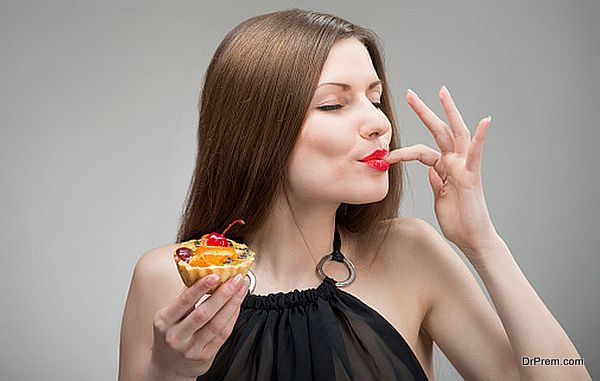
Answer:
(375, 132)
(375, 124)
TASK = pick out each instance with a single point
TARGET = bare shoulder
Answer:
(155, 283)
(441, 272)
(457, 304)
(418, 253)
(157, 262)
(415, 238)
(433, 252)
(407, 240)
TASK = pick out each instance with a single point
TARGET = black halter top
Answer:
(320, 334)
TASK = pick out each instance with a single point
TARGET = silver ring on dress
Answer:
(251, 280)
(347, 262)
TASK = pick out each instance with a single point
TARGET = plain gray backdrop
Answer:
(98, 141)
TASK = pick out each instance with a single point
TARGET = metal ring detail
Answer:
(347, 262)
(251, 281)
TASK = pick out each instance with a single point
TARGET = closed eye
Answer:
(337, 107)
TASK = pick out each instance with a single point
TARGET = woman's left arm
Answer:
(531, 328)
(461, 211)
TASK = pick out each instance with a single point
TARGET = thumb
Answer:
(435, 181)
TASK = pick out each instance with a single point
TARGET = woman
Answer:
(282, 146)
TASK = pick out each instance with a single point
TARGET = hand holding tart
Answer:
(213, 254)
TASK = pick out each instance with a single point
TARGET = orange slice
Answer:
(199, 260)
(215, 259)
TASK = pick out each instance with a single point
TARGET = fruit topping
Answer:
(217, 239)
(212, 249)
(199, 261)
(214, 259)
(244, 254)
(184, 253)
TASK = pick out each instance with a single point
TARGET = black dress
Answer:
(321, 333)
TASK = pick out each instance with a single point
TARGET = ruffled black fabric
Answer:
(322, 333)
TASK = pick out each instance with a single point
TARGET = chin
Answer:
(368, 194)
(378, 197)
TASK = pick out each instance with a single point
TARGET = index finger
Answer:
(420, 152)
(186, 301)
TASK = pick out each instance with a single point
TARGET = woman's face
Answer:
(325, 162)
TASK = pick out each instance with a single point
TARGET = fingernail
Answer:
(413, 93)
(237, 279)
(445, 88)
(212, 279)
(243, 290)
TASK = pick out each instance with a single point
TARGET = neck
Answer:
(294, 239)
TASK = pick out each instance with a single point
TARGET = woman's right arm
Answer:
(163, 337)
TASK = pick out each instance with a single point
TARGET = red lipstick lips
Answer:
(374, 160)
(377, 154)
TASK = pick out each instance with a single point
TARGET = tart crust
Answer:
(191, 274)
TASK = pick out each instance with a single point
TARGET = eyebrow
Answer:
(347, 87)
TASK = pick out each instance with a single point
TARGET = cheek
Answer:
(326, 140)
(323, 165)
(321, 159)
(314, 172)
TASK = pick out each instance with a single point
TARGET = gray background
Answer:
(98, 124)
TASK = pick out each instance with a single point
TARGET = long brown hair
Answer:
(256, 93)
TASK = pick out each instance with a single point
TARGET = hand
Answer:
(454, 175)
(187, 338)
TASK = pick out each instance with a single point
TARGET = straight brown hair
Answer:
(256, 92)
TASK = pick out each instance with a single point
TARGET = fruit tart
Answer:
(213, 254)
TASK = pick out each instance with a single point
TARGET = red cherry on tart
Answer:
(184, 253)
(217, 239)
(213, 253)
